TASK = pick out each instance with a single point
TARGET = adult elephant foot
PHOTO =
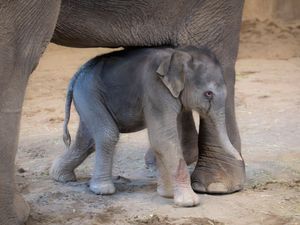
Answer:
(220, 168)
(16, 212)
(22, 209)
(217, 172)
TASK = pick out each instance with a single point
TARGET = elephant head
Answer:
(195, 77)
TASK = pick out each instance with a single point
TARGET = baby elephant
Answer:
(129, 90)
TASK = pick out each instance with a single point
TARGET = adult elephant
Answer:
(26, 27)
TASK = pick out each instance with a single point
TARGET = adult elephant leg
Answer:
(13, 209)
(188, 136)
(216, 171)
(216, 25)
(25, 30)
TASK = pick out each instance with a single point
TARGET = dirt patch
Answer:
(107, 216)
(159, 220)
(273, 185)
(273, 219)
(152, 219)
(267, 39)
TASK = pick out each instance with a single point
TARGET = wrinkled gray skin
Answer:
(26, 27)
(123, 91)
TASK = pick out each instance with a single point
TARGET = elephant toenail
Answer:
(217, 188)
(198, 187)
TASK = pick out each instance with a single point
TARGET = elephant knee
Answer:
(107, 138)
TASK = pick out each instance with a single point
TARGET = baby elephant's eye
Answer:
(208, 94)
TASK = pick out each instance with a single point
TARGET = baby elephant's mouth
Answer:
(203, 112)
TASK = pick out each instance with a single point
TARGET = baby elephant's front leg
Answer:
(173, 175)
(183, 193)
(174, 181)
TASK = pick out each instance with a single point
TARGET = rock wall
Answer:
(283, 11)
(270, 29)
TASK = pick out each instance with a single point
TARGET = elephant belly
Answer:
(97, 23)
(125, 106)
(129, 121)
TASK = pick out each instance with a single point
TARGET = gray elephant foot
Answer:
(59, 173)
(22, 208)
(217, 173)
(186, 197)
(150, 160)
(165, 190)
(102, 187)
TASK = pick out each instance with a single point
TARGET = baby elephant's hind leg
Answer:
(63, 167)
(105, 134)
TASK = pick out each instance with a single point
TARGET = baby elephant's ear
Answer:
(172, 71)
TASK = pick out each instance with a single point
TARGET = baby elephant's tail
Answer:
(69, 99)
(82, 71)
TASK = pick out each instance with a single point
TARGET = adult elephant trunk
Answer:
(217, 156)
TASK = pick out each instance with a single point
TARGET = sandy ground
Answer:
(268, 111)
(269, 39)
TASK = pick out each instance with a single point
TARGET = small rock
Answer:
(21, 170)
